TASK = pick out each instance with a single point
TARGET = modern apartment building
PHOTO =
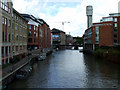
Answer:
(5, 31)
(12, 33)
(39, 35)
(19, 35)
(33, 28)
(58, 37)
(104, 33)
(46, 33)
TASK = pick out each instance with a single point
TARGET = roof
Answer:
(114, 14)
(38, 20)
(43, 22)
(19, 14)
(54, 30)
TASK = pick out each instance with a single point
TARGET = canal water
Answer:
(71, 69)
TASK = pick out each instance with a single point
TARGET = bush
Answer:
(109, 53)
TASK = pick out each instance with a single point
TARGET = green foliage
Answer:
(79, 40)
(108, 53)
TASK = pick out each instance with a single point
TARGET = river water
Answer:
(71, 69)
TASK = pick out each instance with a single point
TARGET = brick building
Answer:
(104, 33)
(19, 35)
(12, 34)
(46, 33)
(39, 35)
(33, 28)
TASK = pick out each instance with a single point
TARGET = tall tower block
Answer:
(89, 13)
(119, 7)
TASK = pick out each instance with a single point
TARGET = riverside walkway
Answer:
(9, 70)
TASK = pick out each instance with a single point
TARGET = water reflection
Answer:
(101, 73)
(71, 69)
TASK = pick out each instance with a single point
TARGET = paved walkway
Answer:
(14, 67)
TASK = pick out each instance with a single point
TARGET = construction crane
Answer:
(62, 23)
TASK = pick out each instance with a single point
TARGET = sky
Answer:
(72, 12)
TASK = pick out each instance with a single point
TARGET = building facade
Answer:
(5, 32)
(39, 35)
(33, 34)
(11, 44)
(104, 33)
(58, 37)
(19, 35)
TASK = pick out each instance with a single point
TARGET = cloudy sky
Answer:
(54, 12)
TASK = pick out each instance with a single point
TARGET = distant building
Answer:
(69, 40)
(58, 37)
(89, 13)
(104, 33)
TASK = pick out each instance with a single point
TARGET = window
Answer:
(16, 27)
(115, 19)
(13, 49)
(2, 51)
(34, 27)
(9, 23)
(12, 36)
(115, 41)
(3, 20)
(20, 47)
(15, 17)
(3, 39)
(97, 29)
(30, 33)
(115, 24)
(115, 30)
(6, 51)
(115, 35)
(9, 10)
(17, 37)
(30, 40)
(34, 34)
(30, 26)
